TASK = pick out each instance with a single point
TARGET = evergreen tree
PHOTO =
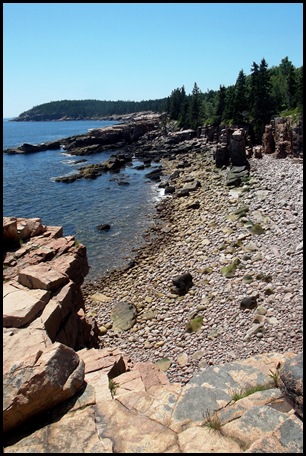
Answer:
(220, 105)
(177, 99)
(240, 106)
(299, 88)
(288, 74)
(228, 112)
(183, 120)
(260, 98)
(194, 114)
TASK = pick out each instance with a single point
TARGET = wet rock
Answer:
(103, 227)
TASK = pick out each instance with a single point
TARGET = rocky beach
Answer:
(196, 339)
(254, 308)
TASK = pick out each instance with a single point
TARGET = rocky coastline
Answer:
(209, 307)
(201, 234)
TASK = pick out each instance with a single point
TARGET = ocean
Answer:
(29, 190)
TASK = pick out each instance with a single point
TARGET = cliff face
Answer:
(42, 273)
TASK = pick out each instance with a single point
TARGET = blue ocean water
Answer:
(29, 190)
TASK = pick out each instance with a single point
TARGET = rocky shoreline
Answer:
(256, 310)
(201, 331)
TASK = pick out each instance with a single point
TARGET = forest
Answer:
(253, 100)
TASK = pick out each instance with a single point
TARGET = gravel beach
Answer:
(254, 310)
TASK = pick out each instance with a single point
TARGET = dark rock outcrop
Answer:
(291, 383)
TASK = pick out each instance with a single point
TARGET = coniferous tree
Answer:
(260, 98)
(240, 107)
(177, 99)
(287, 71)
(220, 105)
(194, 113)
(299, 88)
(228, 112)
(183, 120)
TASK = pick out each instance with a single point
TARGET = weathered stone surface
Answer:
(254, 424)
(21, 342)
(106, 359)
(21, 306)
(199, 439)
(74, 265)
(291, 382)
(10, 232)
(268, 142)
(56, 371)
(144, 435)
(196, 242)
(60, 436)
(46, 307)
(42, 276)
(69, 297)
(146, 406)
(285, 438)
(123, 316)
(237, 152)
(29, 227)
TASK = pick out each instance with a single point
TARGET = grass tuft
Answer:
(212, 421)
(240, 394)
(113, 386)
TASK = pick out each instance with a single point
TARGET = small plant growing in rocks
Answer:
(113, 386)
(240, 394)
(194, 324)
(212, 421)
(275, 375)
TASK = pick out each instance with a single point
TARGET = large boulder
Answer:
(38, 382)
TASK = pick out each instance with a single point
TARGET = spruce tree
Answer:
(240, 107)
(260, 98)
(195, 108)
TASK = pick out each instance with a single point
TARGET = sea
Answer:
(30, 190)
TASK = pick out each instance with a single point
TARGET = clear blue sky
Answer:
(138, 51)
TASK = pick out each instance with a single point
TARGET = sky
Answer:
(138, 51)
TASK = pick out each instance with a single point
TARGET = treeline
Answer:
(253, 100)
(90, 109)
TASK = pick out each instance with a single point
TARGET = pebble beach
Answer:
(202, 233)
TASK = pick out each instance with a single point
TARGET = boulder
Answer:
(291, 383)
(57, 371)
(182, 283)
(123, 316)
